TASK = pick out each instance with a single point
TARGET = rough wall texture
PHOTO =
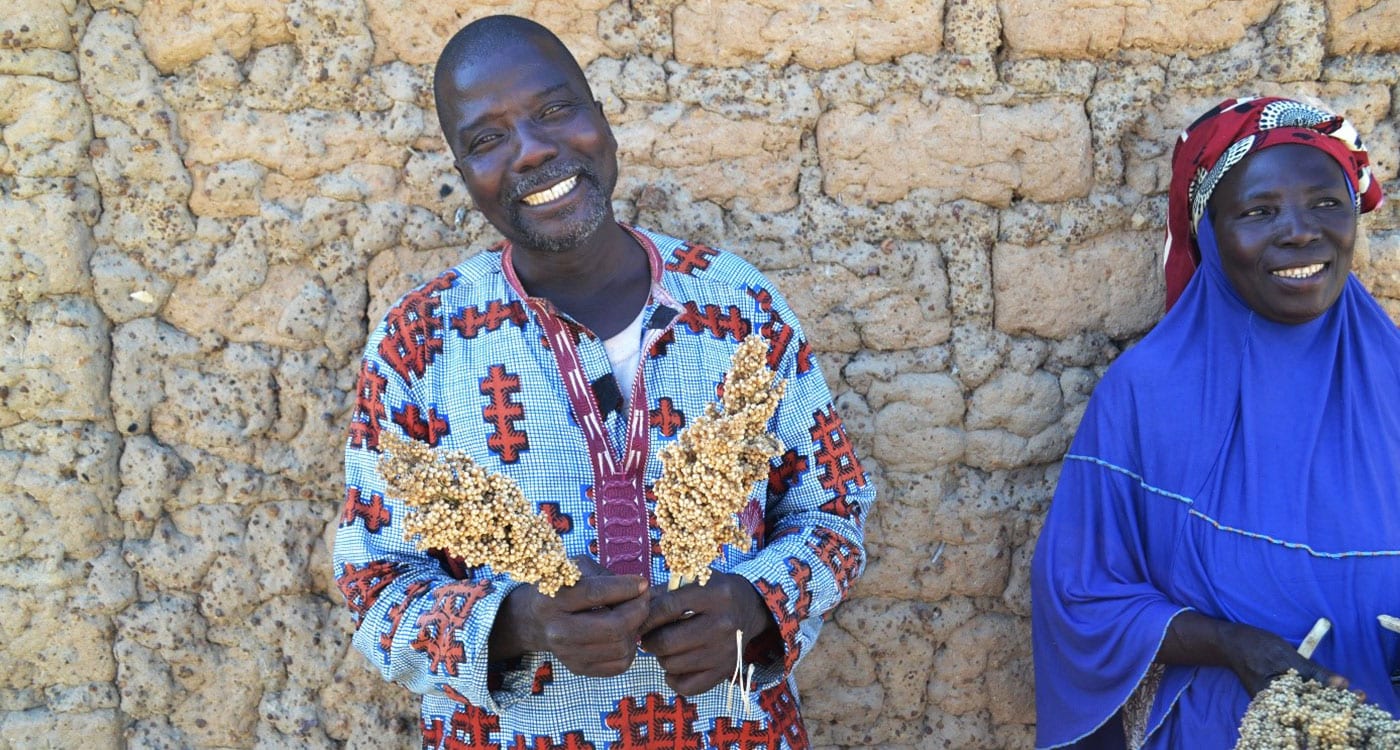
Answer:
(203, 203)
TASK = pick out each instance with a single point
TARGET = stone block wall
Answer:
(205, 203)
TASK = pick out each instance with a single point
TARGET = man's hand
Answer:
(1255, 655)
(691, 630)
(591, 627)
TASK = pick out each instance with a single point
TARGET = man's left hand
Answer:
(691, 630)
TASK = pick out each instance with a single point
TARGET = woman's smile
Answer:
(1301, 272)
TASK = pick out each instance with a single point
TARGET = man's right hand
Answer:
(592, 626)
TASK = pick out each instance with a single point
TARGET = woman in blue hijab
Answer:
(1236, 475)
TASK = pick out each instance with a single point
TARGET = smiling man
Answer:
(566, 360)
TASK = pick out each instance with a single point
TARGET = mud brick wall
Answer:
(205, 203)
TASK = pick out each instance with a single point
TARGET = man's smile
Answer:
(557, 191)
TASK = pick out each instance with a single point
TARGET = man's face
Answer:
(538, 157)
(1285, 226)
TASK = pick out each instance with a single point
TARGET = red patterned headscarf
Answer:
(1232, 130)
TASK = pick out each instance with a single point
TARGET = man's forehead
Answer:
(530, 63)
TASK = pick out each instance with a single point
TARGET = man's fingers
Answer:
(606, 625)
(668, 640)
(590, 567)
(630, 615)
(673, 606)
(696, 660)
(601, 591)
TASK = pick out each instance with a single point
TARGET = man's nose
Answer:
(534, 148)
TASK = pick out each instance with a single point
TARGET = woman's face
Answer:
(1284, 221)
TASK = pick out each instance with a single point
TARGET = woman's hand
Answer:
(1255, 655)
(1258, 656)
(592, 626)
(691, 630)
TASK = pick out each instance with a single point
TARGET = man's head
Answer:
(531, 143)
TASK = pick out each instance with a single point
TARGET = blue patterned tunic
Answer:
(460, 364)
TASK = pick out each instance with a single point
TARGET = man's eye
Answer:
(482, 142)
(553, 109)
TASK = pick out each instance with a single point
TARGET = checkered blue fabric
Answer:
(459, 363)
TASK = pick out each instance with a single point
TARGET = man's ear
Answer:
(606, 122)
(462, 175)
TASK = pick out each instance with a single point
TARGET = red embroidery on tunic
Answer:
(663, 344)
(470, 727)
(369, 407)
(835, 453)
(842, 557)
(371, 512)
(412, 335)
(788, 624)
(805, 358)
(562, 522)
(569, 741)
(502, 412)
(801, 578)
(666, 417)
(654, 724)
(427, 427)
(721, 323)
(437, 628)
(741, 735)
(544, 676)
(784, 717)
(361, 586)
(841, 505)
(782, 477)
(690, 257)
(470, 320)
(396, 613)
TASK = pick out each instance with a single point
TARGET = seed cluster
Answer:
(1298, 714)
(482, 518)
(708, 471)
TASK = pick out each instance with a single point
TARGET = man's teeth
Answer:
(545, 196)
(1301, 272)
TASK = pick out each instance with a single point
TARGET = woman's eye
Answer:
(1329, 203)
(554, 109)
(1256, 211)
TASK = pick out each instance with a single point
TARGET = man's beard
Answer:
(585, 221)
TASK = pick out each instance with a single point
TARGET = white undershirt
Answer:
(625, 354)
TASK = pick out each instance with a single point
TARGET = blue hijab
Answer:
(1232, 465)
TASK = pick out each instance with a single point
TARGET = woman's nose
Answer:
(1297, 226)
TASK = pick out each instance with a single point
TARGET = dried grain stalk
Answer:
(1297, 714)
(708, 472)
(480, 517)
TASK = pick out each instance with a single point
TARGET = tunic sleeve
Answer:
(818, 498)
(421, 626)
(1097, 618)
